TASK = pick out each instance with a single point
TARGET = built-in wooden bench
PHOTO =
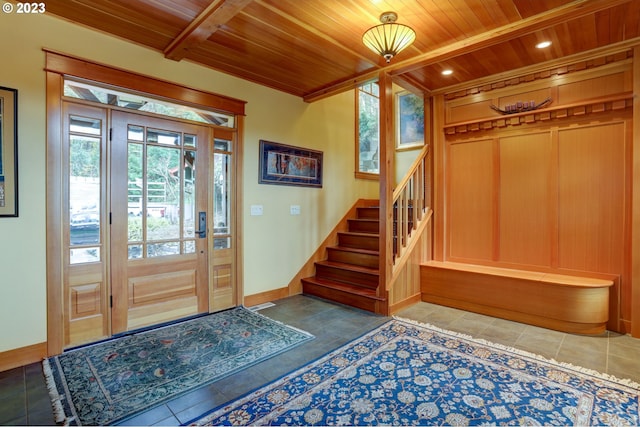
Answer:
(565, 303)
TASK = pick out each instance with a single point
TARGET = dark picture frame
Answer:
(282, 164)
(8, 152)
(409, 120)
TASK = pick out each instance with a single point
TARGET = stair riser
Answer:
(347, 276)
(365, 260)
(358, 301)
(366, 226)
(359, 242)
(368, 213)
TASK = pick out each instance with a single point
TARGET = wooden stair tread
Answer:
(359, 233)
(356, 250)
(351, 267)
(344, 287)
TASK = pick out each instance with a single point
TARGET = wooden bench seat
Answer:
(555, 301)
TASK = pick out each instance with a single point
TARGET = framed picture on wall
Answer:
(8, 152)
(409, 120)
(289, 165)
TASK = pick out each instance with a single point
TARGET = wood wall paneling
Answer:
(550, 193)
(471, 189)
(596, 87)
(591, 187)
(525, 199)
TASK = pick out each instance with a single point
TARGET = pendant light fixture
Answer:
(388, 38)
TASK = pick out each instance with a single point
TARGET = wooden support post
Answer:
(386, 183)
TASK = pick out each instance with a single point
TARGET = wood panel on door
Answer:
(159, 214)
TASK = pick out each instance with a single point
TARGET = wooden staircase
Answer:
(350, 274)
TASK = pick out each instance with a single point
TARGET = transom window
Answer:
(103, 95)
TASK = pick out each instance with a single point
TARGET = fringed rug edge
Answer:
(587, 371)
(56, 399)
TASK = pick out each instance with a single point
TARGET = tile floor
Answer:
(24, 399)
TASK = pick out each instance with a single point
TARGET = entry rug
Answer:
(111, 381)
(404, 373)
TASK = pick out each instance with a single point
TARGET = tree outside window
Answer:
(368, 101)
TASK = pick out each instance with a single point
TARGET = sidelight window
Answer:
(84, 189)
(368, 128)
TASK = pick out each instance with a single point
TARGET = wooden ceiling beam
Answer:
(203, 26)
(570, 11)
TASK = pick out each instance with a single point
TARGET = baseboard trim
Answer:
(261, 298)
(407, 302)
(22, 356)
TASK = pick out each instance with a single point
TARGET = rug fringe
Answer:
(608, 377)
(56, 399)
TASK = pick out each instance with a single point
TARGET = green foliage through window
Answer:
(368, 128)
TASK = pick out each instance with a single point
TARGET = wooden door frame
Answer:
(57, 67)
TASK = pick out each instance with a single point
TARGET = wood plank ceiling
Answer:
(313, 48)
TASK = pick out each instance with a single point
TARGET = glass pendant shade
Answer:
(388, 38)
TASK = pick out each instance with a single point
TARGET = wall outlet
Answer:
(256, 210)
(294, 209)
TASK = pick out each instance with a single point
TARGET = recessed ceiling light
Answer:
(543, 44)
(447, 72)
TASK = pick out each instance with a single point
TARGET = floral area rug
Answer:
(405, 373)
(111, 381)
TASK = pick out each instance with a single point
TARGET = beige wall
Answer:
(276, 244)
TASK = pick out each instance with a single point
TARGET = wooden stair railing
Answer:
(350, 274)
(410, 206)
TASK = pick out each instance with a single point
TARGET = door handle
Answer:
(202, 225)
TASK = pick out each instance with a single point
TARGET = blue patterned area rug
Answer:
(111, 381)
(404, 373)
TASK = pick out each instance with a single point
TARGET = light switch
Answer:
(294, 209)
(256, 210)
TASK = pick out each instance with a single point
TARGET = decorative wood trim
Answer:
(635, 210)
(439, 189)
(237, 208)
(542, 74)
(55, 304)
(71, 66)
(22, 356)
(612, 103)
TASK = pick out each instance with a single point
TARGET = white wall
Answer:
(276, 244)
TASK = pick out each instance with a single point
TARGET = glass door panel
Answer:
(157, 200)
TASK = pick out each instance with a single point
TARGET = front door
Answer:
(159, 220)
